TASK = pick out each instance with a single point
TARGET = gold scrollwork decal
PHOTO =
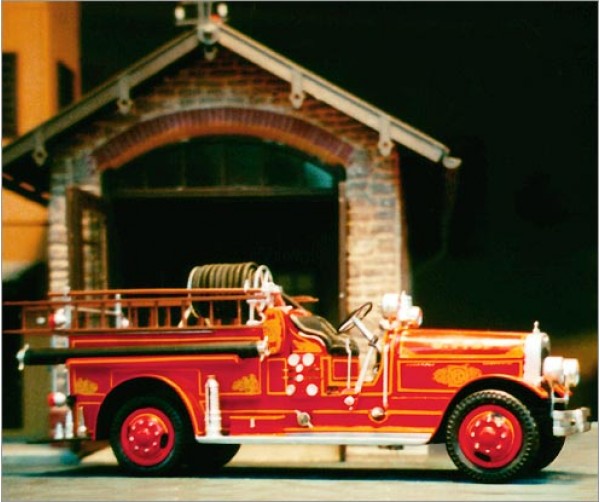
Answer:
(247, 384)
(273, 330)
(455, 375)
(85, 386)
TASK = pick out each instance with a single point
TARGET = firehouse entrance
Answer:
(253, 201)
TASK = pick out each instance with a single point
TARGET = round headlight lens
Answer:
(390, 304)
(564, 371)
(553, 369)
(571, 369)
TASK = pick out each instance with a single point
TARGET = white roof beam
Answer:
(333, 95)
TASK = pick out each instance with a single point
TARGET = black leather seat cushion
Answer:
(322, 328)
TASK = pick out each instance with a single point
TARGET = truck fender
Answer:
(149, 384)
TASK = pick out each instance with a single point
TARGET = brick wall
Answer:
(225, 96)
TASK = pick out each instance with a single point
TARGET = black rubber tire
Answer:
(209, 457)
(549, 449)
(523, 423)
(550, 445)
(171, 457)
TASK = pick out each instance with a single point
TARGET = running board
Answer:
(354, 439)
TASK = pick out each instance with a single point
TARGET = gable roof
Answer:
(21, 160)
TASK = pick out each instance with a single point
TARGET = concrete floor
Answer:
(308, 473)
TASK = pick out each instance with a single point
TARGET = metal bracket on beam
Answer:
(208, 34)
(210, 51)
(124, 102)
(39, 150)
(207, 25)
(297, 95)
(385, 138)
(451, 162)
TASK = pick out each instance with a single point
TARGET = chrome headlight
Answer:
(390, 304)
(399, 307)
(562, 371)
(571, 367)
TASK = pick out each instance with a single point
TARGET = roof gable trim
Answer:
(99, 97)
(334, 96)
(300, 79)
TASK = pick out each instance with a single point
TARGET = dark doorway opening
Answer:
(155, 242)
(227, 199)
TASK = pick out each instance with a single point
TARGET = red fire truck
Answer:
(185, 376)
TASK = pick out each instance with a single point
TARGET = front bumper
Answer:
(567, 422)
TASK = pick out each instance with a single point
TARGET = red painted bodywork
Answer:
(176, 377)
(297, 385)
(426, 368)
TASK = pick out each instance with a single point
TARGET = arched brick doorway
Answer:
(226, 199)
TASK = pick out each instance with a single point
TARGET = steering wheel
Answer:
(359, 313)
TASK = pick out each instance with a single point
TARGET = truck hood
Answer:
(435, 343)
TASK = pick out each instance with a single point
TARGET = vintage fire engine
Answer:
(176, 377)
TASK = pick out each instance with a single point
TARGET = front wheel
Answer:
(492, 437)
(550, 445)
(548, 453)
(148, 436)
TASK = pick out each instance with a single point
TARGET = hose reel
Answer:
(243, 275)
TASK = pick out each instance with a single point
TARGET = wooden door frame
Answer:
(342, 249)
(78, 201)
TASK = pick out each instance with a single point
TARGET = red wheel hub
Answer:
(490, 436)
(147, 436)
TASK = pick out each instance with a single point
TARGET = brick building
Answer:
(221, 152)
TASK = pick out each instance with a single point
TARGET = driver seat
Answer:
(322, 328)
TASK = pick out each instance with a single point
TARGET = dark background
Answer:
(510, 87)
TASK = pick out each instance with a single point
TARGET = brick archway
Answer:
(150, 134)
(375, 253)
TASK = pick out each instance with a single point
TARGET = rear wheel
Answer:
(148, 436)
(209, 457)
(492, 437)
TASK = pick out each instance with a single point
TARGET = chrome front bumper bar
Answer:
(567, 422)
